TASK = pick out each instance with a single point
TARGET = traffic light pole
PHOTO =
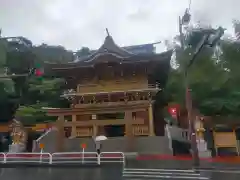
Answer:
(191, 122)
(205, 41)
(188, 98)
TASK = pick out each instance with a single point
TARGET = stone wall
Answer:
(159, 145)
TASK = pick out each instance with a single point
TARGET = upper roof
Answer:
(110, 51)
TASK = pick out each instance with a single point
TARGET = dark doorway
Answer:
(114, 130)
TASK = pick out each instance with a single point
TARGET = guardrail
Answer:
(2, 157)
(63, 158)
(43, 158)
(74, 157)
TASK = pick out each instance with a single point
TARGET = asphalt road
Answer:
(166, 169)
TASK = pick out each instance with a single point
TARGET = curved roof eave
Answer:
(164, 56)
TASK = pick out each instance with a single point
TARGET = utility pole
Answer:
(206, 40)
(185, 19)
(188, 101)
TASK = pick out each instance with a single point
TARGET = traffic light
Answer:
(174, 111)
(38, 71)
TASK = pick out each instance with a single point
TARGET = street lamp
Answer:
(210, 39)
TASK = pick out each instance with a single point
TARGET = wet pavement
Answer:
(134, 169)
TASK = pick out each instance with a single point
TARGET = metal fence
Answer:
(62, 158)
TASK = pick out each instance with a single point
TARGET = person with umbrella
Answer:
(98, 144)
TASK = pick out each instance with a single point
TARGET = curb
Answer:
(233, 160)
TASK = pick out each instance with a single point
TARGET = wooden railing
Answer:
(112, 86)
(140, 130)
(84, 132)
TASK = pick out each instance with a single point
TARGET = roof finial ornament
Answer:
(107, 32)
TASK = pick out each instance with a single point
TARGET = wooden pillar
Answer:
(74, 127)
(129, 131)
(128, 126)
(95, 130)
(151, 124)
(60, 134)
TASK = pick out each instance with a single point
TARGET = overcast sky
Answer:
(77, 23)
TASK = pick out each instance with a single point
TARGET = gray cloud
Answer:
(76, 23)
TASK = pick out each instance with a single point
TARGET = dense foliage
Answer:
(29, 93)
(214, 76)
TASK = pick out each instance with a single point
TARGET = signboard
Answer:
(225, 139)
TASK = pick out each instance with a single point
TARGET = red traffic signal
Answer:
(38, 72)
(173, 110)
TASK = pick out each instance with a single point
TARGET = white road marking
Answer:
(165, 177)
(1, 171)
(132, 173)
(161, 173)
(219, 171)
(166, 170)
(187, 170)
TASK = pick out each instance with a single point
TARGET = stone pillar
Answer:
(74, 128)
(60, 134)
(151, 124)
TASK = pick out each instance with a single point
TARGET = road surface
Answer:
(134, 169)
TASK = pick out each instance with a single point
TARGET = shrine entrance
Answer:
(113, 130)
(111, 120)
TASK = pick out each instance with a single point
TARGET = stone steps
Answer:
(148, 145)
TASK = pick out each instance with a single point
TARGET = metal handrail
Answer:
(41, 157)
(82, 157)
(36, 142)
(4, 157)
(44, 134)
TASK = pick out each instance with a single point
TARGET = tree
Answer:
(52, 54)
(84, 51)
(29, 92)
(213, 76)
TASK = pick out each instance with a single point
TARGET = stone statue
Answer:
(19, 136)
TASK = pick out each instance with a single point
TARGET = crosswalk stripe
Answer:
(161, 173)
(166, 177)
(219, 171)
(226, 171)
(166, 170)
(134, 173)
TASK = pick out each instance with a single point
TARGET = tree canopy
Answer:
(214, 78)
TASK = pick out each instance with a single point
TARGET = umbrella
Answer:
(100, 138)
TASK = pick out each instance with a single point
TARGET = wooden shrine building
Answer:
(111, 92)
